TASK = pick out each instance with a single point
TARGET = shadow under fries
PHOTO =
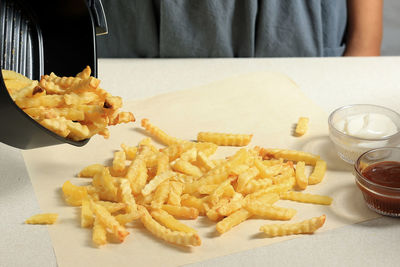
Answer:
(161, 242)
(204, 222)
(108, 162)
(293, 130)
(259, 235)
(60, 198)
(213, 233)
(323, 146)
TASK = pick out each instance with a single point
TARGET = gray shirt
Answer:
(224, 28)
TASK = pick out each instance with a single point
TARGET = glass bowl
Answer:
(349, 147)
(383, 195)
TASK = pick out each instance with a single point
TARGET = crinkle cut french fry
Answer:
(87, 217)
(194, 202)
(162, 163)
(203, 161)
(84, 98)
(174, 237)
(130, 151)
(264, 199)
(158, 133)
(181, 212)
(225, 139)
(112, 206)
(57, 125)
(186, 167)
(160, 195)
(189, 155)
(174, 197)
(44, 218)
(305, 227)
(156, 181)
(318, 173)
(219, 191)
(301, 178)
(50, 113)
(245, 178)
(12, 75)
(207, 189)
(25, 91)
(109, 221)
(132, 212)
(74, 194)
(267, 171)
(218, 174)
(235, 203)
(113, 102)
(51, 87)
(13, 86)
(77, 131)
(170, 222)
(52, 81)
(158, 188)
(276, 188)
(238, 169)
(306, 198)
(302, 126)
(49, 101)
(137, 174)
(122, 117)
(212, 213)
(78, 100)
(256, 184)
(271, 212)
(292, 155)
(119, 160)
(99, 234)
(85, 73)
(232, 220)
(91, 170)
(127, 197)
(105, 185)
(88, 84)
(175, 150)
(126, 218)
(208, 179)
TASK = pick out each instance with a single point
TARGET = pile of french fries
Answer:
(73, 107)
(183, 181)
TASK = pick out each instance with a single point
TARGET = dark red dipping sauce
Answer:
(384, 197)
(386, 173)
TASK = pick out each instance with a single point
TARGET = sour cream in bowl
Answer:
(354, 129)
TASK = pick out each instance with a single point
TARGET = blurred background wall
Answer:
(391, 28)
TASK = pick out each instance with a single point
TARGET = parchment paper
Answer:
(265, 104)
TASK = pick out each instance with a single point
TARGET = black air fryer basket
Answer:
(39, 37)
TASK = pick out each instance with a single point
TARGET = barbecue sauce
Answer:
(386, 200)
(386, 173)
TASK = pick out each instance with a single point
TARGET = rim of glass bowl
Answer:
(359, 174)
(331, 126)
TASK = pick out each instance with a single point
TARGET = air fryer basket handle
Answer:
(99, 17)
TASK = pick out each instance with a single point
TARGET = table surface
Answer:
(330, 82)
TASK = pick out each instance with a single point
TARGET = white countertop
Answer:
(330, 82)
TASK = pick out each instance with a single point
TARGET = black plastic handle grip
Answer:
(99, 17)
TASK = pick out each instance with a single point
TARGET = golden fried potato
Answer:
(76, 102)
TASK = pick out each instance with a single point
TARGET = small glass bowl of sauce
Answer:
(355, 129)
(377, 173)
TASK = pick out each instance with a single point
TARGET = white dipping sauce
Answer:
(369, 125)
